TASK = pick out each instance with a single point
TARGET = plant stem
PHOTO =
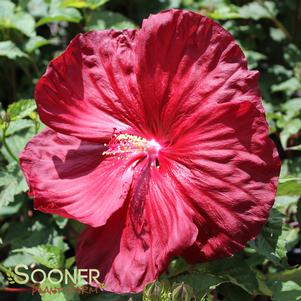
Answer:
(6, 146)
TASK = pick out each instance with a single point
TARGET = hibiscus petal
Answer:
(91, 88)
(186, 60)
(229, 177)
(138, 241)
(71, 178)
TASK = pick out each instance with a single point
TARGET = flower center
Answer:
(122, 145)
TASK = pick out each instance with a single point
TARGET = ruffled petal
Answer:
(137, 242)
(227, 167)
(71, 178)
(91, 88)
(184, 61)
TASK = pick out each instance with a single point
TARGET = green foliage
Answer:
(58, 13)
(10, 50)
(11, 184)
(49, 256)
(32, 32)
(21, 109)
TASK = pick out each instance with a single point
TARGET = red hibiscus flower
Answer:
(157, 140)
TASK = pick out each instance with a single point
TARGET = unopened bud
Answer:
(182, 292)
(152, 292)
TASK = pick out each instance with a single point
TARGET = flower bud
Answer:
(182, 292)
(152, 292)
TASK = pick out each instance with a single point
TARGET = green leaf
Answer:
(201, 282)
(21, 108)
(10, 50)
(285, 291)
(276, 34)
(291, 127)
(292, 55)
(24, 22)
(233, 269)
(58, 14)
(69, 262)
(100, 20)
(50, 256)
(38, 8)
(271, 241)
(18, 125)
(12, 183)
(289, 86)
(223, 12)
(35, 43)
(17, 142)
(60, 221)
(16, 19)
(292, 106)
(289, 186)
(6, 11)
(258, 10)
(12, 207)
(209, 275)
(92, 4)
(34, 232)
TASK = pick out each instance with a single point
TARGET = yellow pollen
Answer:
(125, 143)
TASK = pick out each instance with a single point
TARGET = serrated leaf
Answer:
(12, 183)
(271, 241)
(50, 256)
(10, 50)
(17, 142)
(21, 108)
(31, 233)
